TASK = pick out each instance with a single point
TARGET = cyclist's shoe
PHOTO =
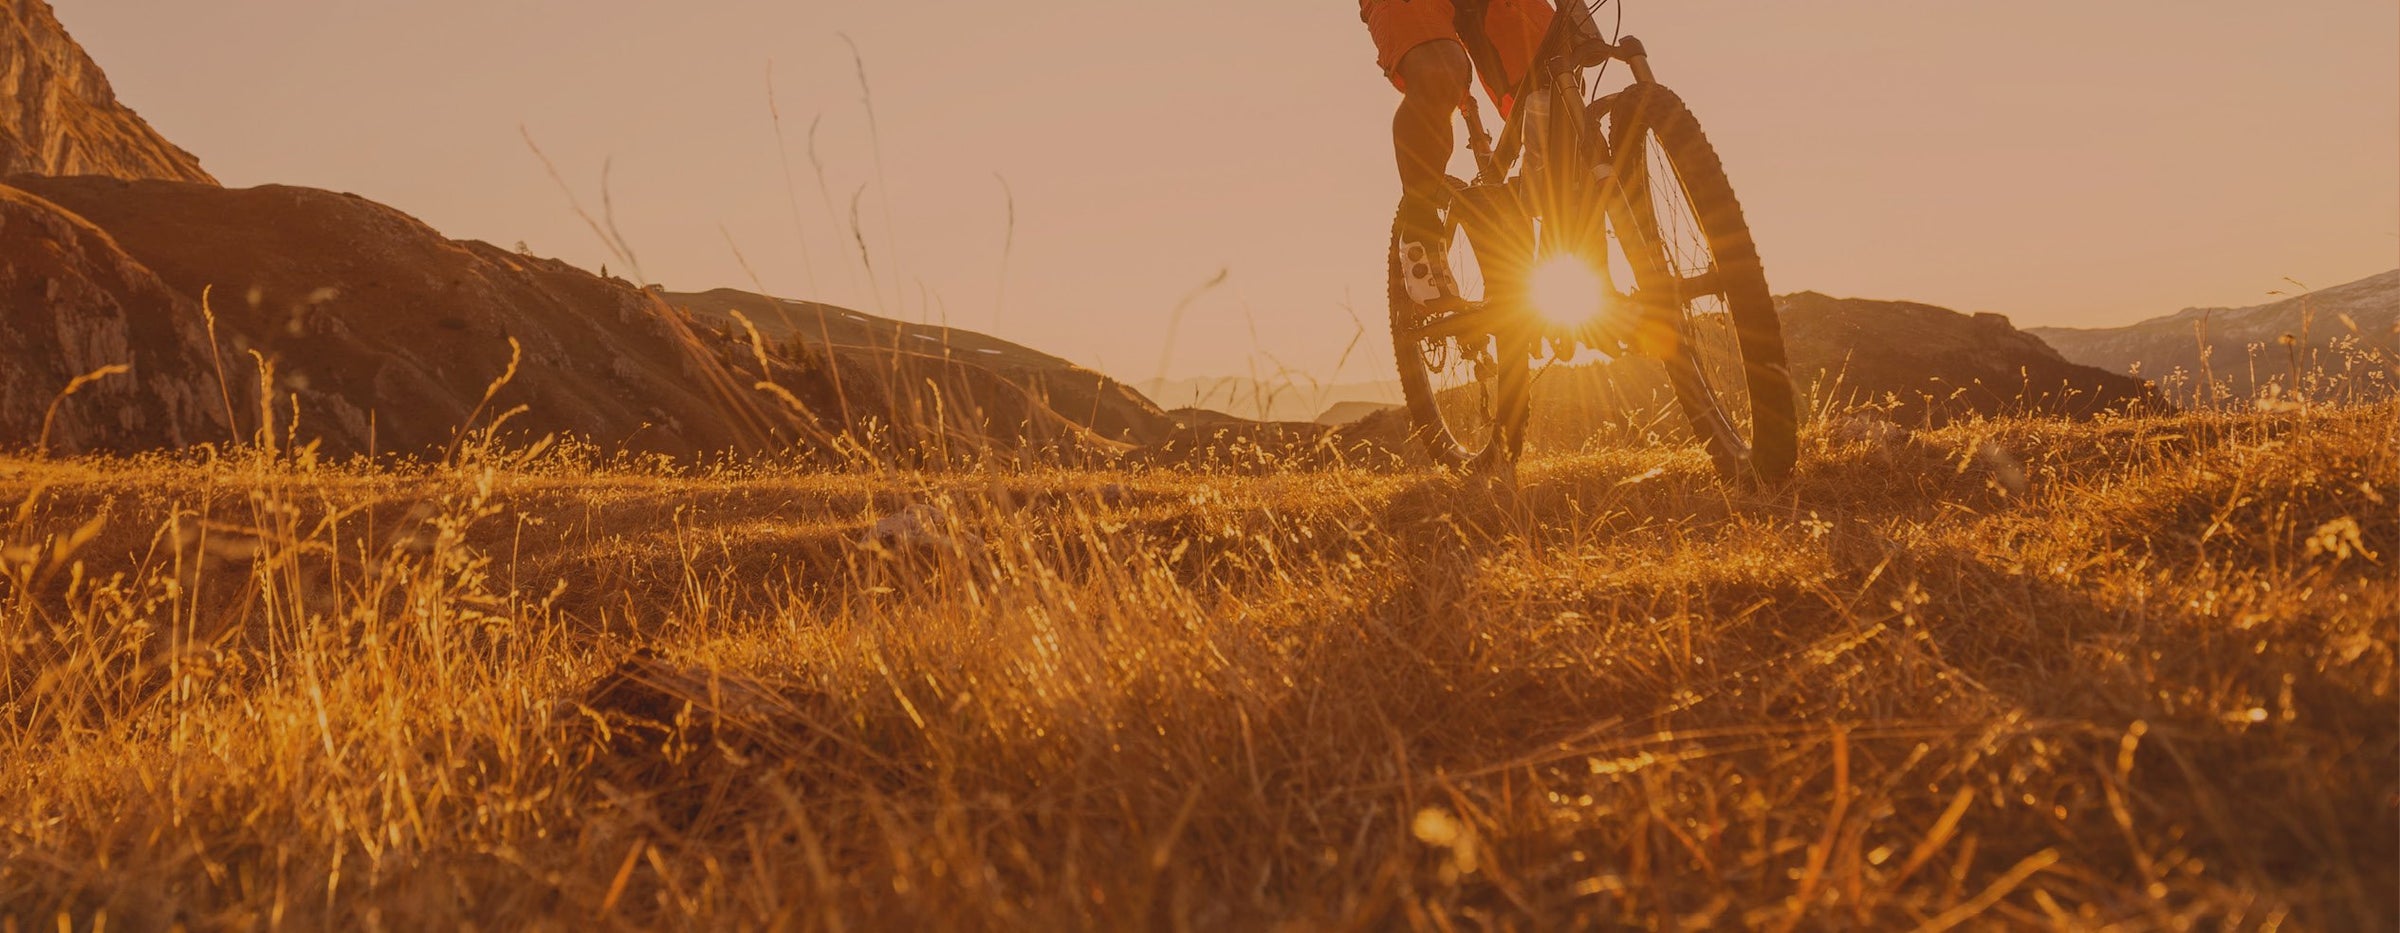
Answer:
(1424, 271)
(1425, 274)
(1422, 242)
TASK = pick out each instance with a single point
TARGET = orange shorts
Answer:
(1515, 26)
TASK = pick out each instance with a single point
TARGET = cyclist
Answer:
(1420, 47)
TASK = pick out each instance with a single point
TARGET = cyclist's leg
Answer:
(1417, 45)
(1433, 78)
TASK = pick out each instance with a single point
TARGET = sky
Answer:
(1074, 174)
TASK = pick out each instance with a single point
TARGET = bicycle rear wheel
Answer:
(1700, 277)
(1466, 391)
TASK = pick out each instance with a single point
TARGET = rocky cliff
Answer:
(58, 116)
(76, 311)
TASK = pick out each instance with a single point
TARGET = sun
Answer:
(1566, 291)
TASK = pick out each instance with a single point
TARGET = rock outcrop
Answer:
(1929, 364)
(385, 336)
(58, 115)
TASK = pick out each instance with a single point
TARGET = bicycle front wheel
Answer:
(1700, 278)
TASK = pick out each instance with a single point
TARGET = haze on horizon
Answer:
(2064, 163)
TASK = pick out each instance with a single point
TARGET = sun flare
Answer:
(1566, 291)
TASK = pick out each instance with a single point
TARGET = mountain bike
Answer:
(1596, 224)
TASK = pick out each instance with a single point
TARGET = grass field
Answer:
(2137, 672)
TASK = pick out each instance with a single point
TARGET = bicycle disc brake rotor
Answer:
(1436, 354)
(1487, 365)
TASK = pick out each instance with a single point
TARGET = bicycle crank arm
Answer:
(1613, 331)
(1474, 320)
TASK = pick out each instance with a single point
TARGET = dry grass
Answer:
(2022, 672)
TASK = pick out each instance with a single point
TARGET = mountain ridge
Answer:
(2160, 345)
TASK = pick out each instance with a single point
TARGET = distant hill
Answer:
(1293, 398)
(385, 336)
(58, 115)
(1342, 413)
(1919, 364)
(2161, 345)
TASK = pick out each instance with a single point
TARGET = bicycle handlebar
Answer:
(1595, 51)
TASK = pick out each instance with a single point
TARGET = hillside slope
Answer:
(2161, 345)
(386, 335)
(995, 367)
(58, 115)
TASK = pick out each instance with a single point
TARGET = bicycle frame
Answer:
(1556, 64)
(1551, 90)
